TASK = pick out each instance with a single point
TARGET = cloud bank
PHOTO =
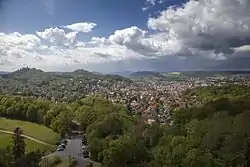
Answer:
(198, 35)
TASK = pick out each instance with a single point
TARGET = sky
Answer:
(124, 35)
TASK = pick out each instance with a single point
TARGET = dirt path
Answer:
(27, 137)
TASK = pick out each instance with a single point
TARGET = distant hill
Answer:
(201, 74)
(183, 75)
(61, 86)
(31, 73)
(26, 71)
(3, 72)
(146, 74)
(123, 73)
(83, 72)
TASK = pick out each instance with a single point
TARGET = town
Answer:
(154, 96)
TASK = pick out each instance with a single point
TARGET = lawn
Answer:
(30, 145)
(34, 130)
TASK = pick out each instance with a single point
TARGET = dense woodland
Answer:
(202, 95)
(215, 134)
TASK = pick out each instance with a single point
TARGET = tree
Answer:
(126, 151)
(152, 134)
(18, 147)
(33, 159)
(85, 115)
(62, 123)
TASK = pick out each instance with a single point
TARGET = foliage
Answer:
(33, 159)
(51, 114)
(90, 164)
(211, 93)
(50, 162)
(5, 158)
(211, 135)
(72, 162)
(18, 147)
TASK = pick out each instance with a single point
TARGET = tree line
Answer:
(57, 116)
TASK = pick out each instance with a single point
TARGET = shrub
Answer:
(90, 164)
(72, 162)
(56, 160)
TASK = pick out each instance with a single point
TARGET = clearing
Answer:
(34, 130)
(30, 145)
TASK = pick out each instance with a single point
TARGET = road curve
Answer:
(27, 137)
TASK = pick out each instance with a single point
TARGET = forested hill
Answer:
(201, 95)
(145, 74)
(31, 73)
(62, 86)
(3, 73)
(184, 75)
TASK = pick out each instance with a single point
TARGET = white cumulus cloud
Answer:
(199, 34)
(53, 49)
(207, 24)
(81, 27)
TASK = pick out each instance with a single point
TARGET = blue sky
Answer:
(118, 35)
(28, 16)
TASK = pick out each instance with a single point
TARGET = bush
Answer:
(50, 161)
(72, 162)
(90, 164)
(56, 160)
(45, 162)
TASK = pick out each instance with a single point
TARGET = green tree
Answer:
(33, 159)
(18, 147)
(126, 151)
(86, 116)
(62, 123)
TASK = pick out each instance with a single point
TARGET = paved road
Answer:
(27, 137)
(73, 148)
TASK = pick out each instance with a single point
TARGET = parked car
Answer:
(84, 140)
(85, 153)
(63, 145)
(64, 141)
(84, 147)
(60, 148)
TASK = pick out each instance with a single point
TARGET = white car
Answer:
(84, 148)
(60, 148)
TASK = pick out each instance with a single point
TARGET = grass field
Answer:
(36, 131)
(30, 145)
